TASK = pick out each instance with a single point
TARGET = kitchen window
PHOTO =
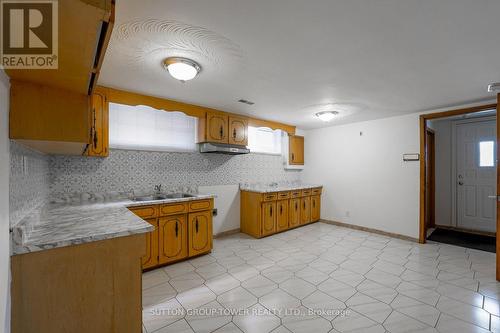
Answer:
(144, 128)
(264, 140)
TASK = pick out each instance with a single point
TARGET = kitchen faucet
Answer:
(158, 189)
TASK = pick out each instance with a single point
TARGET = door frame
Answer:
(423, 129)
(431, 159)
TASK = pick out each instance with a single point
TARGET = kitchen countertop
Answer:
(266, 188)
(56, 225)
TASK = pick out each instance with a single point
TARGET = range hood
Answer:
(222, 148)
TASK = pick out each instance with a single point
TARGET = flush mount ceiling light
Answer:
(182, 69)
(494, 87)
(326, 115)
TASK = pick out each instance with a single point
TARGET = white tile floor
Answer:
(324, 278)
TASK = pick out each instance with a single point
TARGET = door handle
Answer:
(176, 229)
(494, 197)
(196, 225)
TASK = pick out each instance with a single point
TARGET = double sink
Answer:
(163, 197)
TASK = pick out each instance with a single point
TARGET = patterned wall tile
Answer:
(29, 181)
(140, 170)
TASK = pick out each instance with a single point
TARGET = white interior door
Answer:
(476, 175)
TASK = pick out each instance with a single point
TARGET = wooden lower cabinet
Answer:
(264, 214)
(282, 215)
(294, 216)
(305, 210)
(200, 232)
(182, 230)
(90, 287)
(150, 259)
(315, 208)
(172, 233)
(268, 218)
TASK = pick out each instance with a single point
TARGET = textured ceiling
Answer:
(369, 58)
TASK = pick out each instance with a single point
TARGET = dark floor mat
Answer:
(471, 241)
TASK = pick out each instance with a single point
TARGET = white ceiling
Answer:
(385, 57)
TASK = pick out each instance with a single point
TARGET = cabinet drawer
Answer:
(283, 195)
(145, 212)
(306, 193)
(269, 196)
(200, 205)
(316, 191)
(172, 209)
(295, 194)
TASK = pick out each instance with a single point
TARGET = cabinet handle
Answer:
(281, 209)
(221, 132)
(304, 204)
(234, 133)
(314, 203)
(271, 210)
(296, 206)
(293, 157)
(196, 225)
(94, 131)
(176, 229)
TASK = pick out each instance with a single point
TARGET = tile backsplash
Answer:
(141, 170)
(29, 181)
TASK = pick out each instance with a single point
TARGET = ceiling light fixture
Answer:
(182, 69)
(494, 87)
(326, 115)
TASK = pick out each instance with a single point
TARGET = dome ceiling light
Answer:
(326, 115)
(182, 69)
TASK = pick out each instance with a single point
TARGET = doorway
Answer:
(475, 198)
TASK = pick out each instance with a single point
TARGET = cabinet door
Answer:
(200, 232)
(268, 218)
(217, 130)
(282, 211)
(173, 238)
(238, 131)
(296, 150)
(315, 208)
(305, 210)
(99, 127)
(150, 259)
(294, 213)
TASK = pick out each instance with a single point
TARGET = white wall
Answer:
(227, 203)
(4, 205)
(365, 180)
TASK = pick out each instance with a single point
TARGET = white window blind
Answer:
(145, 128)
(264, 140)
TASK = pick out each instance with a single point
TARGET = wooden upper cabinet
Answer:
(99, 127)
(173, 244)
(296, 150)
(218, 127)
(150, 259)
(238, 131)
(200, 232)
(213, 128)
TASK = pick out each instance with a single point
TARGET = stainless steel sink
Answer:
(163, 197)
(178, 195)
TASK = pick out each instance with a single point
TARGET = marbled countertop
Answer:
(266, 188)
(62, 224)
